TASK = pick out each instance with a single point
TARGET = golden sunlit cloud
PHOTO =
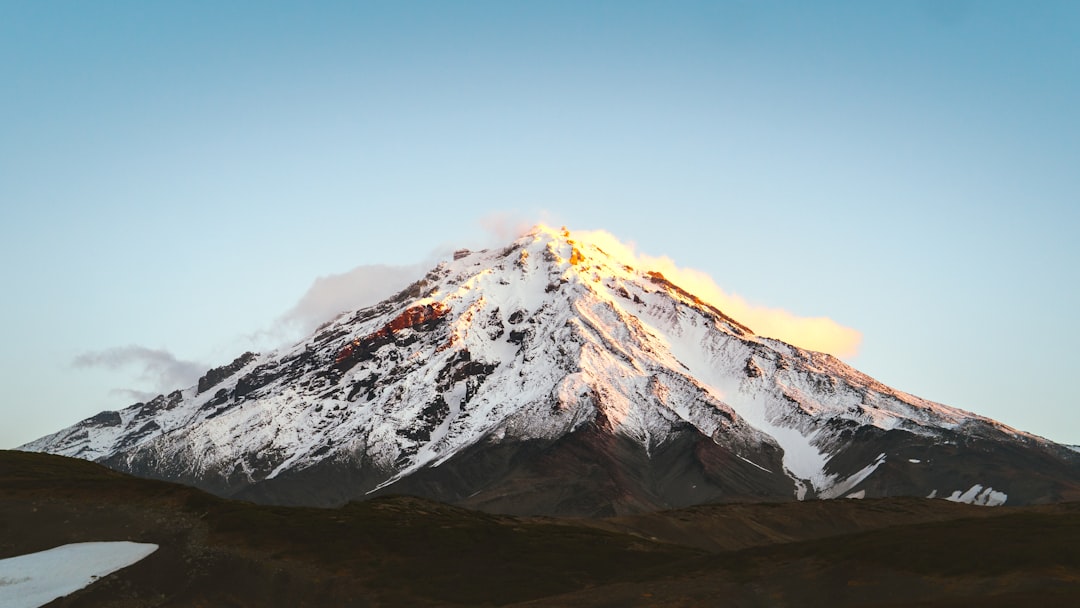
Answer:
(814, 333)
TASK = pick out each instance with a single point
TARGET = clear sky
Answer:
(175, 176)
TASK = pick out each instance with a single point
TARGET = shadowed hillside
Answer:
(402, 551)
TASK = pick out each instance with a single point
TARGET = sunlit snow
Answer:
(566, 333)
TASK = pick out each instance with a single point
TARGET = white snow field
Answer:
(35, 579)
(533, 341)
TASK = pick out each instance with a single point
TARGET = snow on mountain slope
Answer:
(532, 342)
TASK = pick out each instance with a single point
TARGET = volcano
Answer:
(552, 377)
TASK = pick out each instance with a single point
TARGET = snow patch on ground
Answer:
(846, 484)
(35, 579)
(976, 495)
(755, 464)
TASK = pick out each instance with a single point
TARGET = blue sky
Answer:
(174, 177)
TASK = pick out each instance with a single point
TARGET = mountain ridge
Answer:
(505, 376)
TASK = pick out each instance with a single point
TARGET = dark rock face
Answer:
(104, 419)
(214, 377)
(963, 459)
(588, 473)
(361, 349)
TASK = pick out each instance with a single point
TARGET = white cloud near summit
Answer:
(161, 370)
(334, 294)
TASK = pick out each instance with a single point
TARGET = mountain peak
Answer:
(556, 375)
(595, 260)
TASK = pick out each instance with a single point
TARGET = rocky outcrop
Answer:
(418, 317)
(214, 376)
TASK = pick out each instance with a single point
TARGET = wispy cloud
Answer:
(368, 284)
(814, 333)
(506, 227)
(334, 294)
(132, 394)
(157, 368)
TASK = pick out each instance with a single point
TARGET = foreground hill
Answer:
(399, 551)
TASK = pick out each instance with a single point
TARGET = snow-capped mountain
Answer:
(551, 377)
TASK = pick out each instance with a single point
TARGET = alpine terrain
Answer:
(549, 377)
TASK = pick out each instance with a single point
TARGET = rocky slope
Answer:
(551, 377)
